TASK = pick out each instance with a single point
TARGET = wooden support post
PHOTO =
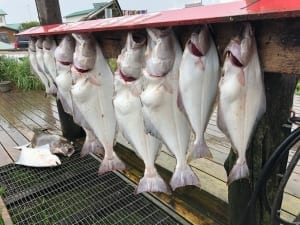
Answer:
(49, 13)
(269, 134)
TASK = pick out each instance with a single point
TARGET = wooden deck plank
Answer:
(4, 157)
(45, 104)
(41, 103)
(8, 143)
(39, 110)
(50, 101)
(18, 137)
(20, 114)
(18, 117)
(27, 109)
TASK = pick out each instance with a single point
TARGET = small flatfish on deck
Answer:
(40, 156)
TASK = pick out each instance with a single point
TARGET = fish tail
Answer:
(111, 164)
(152, 184)
(200, 150)
(91, 147)
(239, 171)
(182, 177)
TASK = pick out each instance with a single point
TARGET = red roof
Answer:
(226, 12)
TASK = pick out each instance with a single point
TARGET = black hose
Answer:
(270, 165)
(275, 215)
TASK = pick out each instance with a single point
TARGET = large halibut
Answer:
(128, 109)
(242, 97)
(198, 86)
(162, 117)
(92, 94)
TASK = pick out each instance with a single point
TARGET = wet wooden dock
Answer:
(22, 112)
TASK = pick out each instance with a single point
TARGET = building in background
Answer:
(100, 10)
(7, 32)
(133, 12)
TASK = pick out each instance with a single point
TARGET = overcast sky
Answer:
(19, 11)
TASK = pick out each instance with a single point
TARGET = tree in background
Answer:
(28, 25)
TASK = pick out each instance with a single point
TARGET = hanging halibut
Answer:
(41, 65)
(128, 109)
(49, 46)
(162, 117)
(64, 59)
(198, 86)
(242, 97)
(34, 65)
(92, 94)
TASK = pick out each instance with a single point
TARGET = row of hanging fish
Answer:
(158, 95)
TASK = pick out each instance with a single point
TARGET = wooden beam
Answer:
(278, 42)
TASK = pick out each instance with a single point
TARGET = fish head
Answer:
(49, 43)
(200, 42)
(84, 57)
(39, 43)
(31, 45)
(62, 147)
(135, 40)
(241, 48)
(132, 58)
(160, 52)
(65, 50)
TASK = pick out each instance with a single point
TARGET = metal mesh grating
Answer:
(73, 193)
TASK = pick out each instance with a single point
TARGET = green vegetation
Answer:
(113, 64)
(297, 91)
(18, 71)
(1, 221)
(1, 191)
(28, 25)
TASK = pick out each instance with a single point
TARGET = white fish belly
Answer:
(64, 84)
(50, 63)
(240, 108)
(198, 89)
(128, 109)
(87, 99)
(160, 107)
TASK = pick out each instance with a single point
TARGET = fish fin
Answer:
(180, 102)
(152, 184)
(221, 121)
(111, 164)
(150, 128)
(91, 146)
(238, 171)
(64, 103)
(200, 150)
(52, 90)
(22, 146)
(241, 77)
(183, 177)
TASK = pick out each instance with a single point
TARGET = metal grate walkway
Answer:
(73, 193)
